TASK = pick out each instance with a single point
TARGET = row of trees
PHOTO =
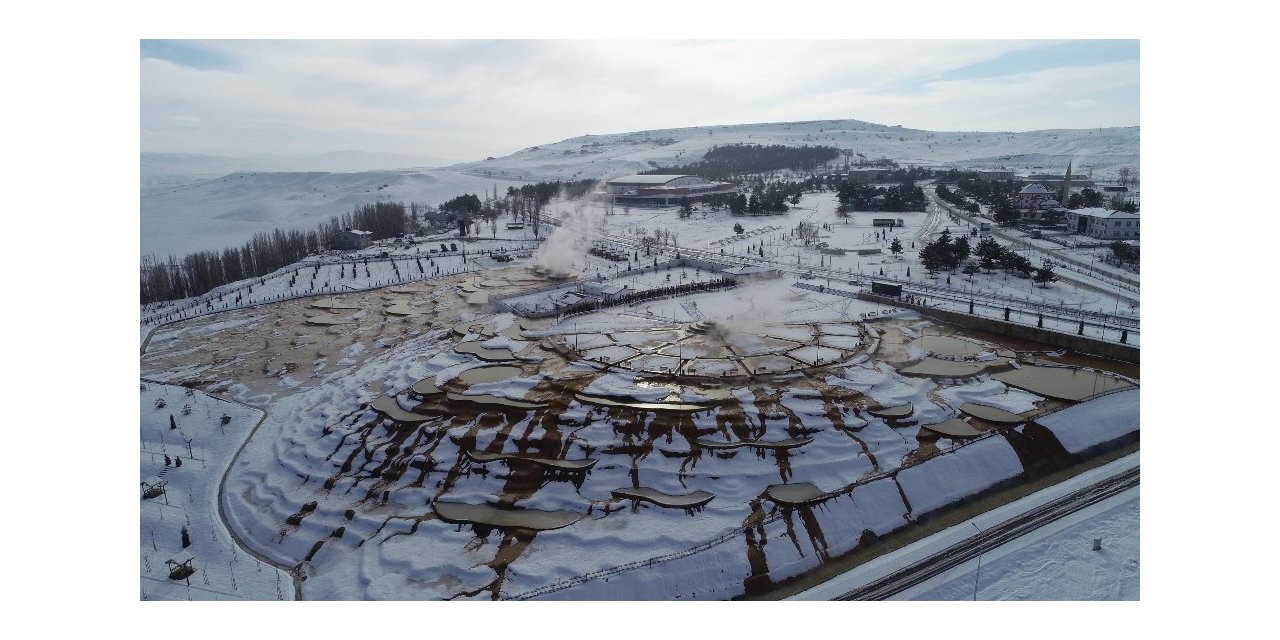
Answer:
(268, 251)
(857, 197)
(265, 253)
(957, 199)
(722, 163)
(944, 253)
(764, 198)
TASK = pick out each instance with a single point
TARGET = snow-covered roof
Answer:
(1034, 188)
(359, 232)
(651, 179)
(1091, 211)
(1116, 215)
(1100, 212)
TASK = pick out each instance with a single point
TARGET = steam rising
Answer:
(568, 243)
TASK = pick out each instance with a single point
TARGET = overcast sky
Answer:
(445, 101)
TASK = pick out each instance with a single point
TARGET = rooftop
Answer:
(650, 179)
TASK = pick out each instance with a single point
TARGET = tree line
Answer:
(859, 197)
(724, 162)
(266, 252)
(944, 253)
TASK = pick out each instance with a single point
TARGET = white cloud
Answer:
(467, 99)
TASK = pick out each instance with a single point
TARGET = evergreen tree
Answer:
(1044, 275)
(987, 263)
(1006, 214)
(959, 251)
(935, 256)
(988, 248)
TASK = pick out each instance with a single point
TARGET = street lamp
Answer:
(977, 574)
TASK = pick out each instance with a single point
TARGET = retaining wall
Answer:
(1081, 344)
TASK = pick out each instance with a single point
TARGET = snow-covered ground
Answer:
(186, 448)
(291, 499)
(333, 486)
(1053, 562)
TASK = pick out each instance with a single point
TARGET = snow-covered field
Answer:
(332, 487)
(1053, 562)
(186, 447)
(354, 490)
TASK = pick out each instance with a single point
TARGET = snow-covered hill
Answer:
(601, 156)
(192, 164)
(186, 210)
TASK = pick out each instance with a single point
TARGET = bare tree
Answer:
(807, 232)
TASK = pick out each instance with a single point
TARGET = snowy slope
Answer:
(181, 214)
(604, 156)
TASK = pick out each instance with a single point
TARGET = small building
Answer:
(1033, 196)
(663, 190)
(869, 175)
(353, 240)
(992, 175)
(1103, 224)
(607, 291)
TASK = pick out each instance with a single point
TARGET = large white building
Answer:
(659, 190)
(1103, 224)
